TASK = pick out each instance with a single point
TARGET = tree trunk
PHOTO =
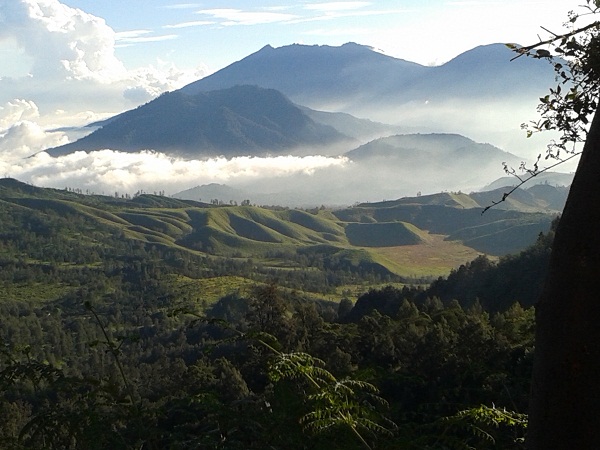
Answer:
(564, 410)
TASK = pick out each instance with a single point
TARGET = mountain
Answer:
(363, 130)
(551, 178)
(356, 79)
(444, 148)
(239, 120)
(212, 191)
(315, 75)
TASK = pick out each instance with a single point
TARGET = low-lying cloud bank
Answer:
(283, 180)
(109, 171)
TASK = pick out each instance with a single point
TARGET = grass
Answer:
(384, 234)
(426, 260)
(36, 292)
(204, 292)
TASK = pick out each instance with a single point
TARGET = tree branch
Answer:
(527, 49)
(525, 180)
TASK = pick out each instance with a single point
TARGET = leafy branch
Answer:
(335, 403)
(567, 108)
(531, 173)
(477, 421)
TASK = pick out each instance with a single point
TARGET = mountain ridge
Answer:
(344, 76)
(251, 231)
(240, 120)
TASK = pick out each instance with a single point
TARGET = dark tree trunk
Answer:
(564, 411)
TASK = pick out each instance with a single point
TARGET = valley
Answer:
(110, 301)
(302, 236)
(410, 241)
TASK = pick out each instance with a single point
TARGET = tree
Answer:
(268, 313)
(564, 407)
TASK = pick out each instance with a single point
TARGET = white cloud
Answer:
(63, 41)
(138, 36)
(231, 16)
(336, 6)
(109, 171)
(194, 23)
(17, 110)
(73, 65)
(332, 12)
(24, 138)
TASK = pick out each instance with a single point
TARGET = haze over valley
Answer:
(294, 225)
(303, 126)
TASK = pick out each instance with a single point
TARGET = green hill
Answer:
(388, 234)
(400, 239)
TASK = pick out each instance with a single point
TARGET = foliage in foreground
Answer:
(275, 375)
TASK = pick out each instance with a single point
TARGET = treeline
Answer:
(138, 375)
(100, 349)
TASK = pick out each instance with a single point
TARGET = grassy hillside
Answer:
(387, 234)
(57, 234)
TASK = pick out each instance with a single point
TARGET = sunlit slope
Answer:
(254, 231)
(375, 237)
(386, 234)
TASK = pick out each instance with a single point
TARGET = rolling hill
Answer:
(367, 238)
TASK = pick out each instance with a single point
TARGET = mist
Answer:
(309, 180)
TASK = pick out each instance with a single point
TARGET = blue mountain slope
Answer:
(348, 75)
(242, 120)
(315, 74)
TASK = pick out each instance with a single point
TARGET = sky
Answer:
(66, 63)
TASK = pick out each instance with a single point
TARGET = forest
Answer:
(112, 341)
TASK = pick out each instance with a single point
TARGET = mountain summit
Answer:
(240, 120)
(316, 75)
(354, 78)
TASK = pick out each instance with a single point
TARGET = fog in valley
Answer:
(61, 82)
(305, 178)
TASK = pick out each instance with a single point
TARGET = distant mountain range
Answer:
(355, 78)
(482, 93)
(264, 105)
(227, 112)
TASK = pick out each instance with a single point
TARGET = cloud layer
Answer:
(108, 171)
(61, 71)
(71, 61)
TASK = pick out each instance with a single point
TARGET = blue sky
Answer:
(216, 33)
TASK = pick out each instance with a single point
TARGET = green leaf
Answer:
(541, 53)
